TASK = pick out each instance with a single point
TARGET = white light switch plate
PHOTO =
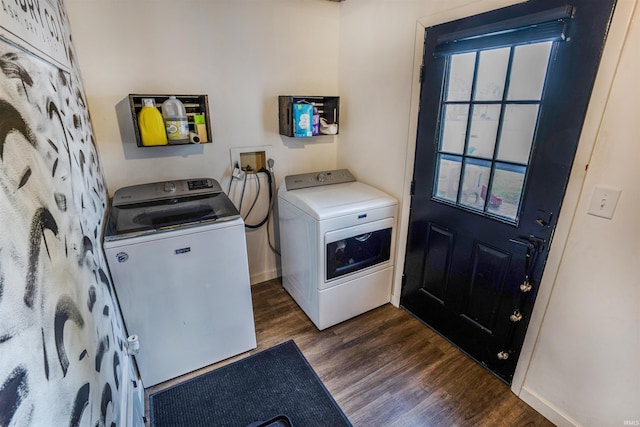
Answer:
(604, 201)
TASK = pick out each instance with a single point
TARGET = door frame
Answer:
(597, 104)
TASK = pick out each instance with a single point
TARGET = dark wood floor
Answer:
(386, 368)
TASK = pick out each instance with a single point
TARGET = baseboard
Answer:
(548, 410)
(263, 276)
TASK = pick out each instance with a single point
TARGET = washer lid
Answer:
(336, 200)
(167, 214)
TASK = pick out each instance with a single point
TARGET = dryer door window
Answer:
(357, 248)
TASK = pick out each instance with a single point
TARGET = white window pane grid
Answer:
(518, 129)
(489, 118)
(506, 191)
(492, 73)
(475, 183)
(449, 168)
(461, 77)
(454, 129)
(528, 71)
(484, 129)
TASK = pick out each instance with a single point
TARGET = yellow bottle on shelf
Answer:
(151, 124)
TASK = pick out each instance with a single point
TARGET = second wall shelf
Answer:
(328, 109)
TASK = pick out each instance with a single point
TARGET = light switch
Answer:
(604, 201)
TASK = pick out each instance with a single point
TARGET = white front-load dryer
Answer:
(337, 240)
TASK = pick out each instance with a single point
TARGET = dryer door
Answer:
(357, 248)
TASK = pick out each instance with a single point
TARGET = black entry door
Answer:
(503, 99)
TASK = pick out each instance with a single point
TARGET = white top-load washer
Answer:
(178, 258)
(336, 237)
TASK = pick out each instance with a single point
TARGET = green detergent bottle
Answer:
(151, 124)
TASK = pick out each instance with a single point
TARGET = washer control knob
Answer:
(321, 177)
(169, 187)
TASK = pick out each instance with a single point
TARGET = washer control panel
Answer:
(165, 189)
(318, 179)
(200, 184)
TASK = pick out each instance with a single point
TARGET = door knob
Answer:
(532, 243)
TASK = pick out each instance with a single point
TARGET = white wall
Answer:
(242, 53)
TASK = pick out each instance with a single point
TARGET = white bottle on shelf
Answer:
(175, 121)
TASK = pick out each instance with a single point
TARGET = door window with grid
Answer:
(489, 112)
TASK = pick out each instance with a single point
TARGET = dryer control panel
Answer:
(318, 179)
